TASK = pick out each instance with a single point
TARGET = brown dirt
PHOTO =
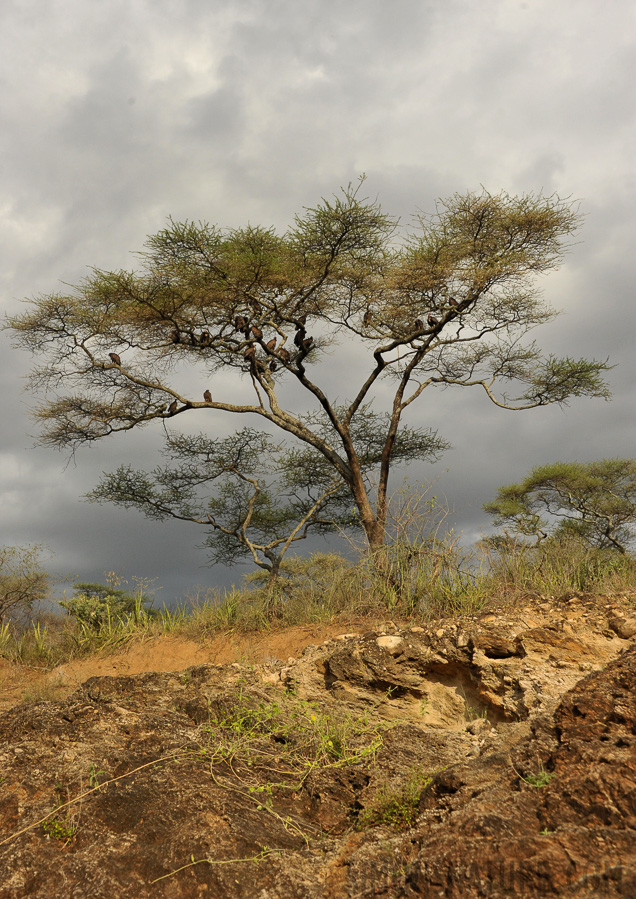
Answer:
(163, 653)
(520, 726)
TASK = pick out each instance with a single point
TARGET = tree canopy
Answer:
(595, 500)
(444, 304)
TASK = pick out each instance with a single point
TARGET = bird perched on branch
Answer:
(284, 354)
(249, 353)
(256, 331)
(176, 336)
(453, 302)
(205, 339)
(114, 358)
(240, 322)
(300, 322)
(172, 408)
(419, 324)
(298, 338)
(307, 343)
(432, 321)
(207, 396)
(271, 344)
(273, 365)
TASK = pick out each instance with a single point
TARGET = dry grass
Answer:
(423, 575)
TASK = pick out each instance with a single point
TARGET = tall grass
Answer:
(557, 566)
(423, 572)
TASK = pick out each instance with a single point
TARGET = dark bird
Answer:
(249, 353)
(432, 321)
(301, 321)
(419, 324)
(205, 339)
(284, 354)
(298, 338)
(176, 336)
(240, 323)
(207, 396)
(307, 343)
(114, 358)
(172, 408)
(453, 302)
(193, 339)
(271, 344)
(256, 331)
(272, 365)
(256, 306)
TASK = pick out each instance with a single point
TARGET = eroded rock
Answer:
(507, 744)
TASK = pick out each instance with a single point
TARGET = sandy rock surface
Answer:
(511, 737)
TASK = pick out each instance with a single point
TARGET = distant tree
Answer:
(444, 305)
(23, 580)
(595, 500)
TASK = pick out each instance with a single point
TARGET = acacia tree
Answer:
(445, 304)
(595, 500)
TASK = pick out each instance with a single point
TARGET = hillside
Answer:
(491, 756)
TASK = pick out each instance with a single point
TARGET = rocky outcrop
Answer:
(488, 757)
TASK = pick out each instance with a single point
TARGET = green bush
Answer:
(100, 606)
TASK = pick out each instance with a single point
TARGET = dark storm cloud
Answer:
(115, 116)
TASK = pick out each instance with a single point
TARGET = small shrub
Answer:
(396, 805)
(274, 745)
(100, 607)
(541, 779)
(63, 829)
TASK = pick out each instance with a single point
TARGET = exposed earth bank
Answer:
(492, 756)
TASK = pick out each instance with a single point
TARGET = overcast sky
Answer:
(115, 114)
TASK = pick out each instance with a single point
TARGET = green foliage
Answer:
(312, 734)
(30, 644)
(595, 501)
(541, 779)
(23, 581)
(62, 829)
(269, 746)
(99, 607)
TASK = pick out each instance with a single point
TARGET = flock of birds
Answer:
(254, 334)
